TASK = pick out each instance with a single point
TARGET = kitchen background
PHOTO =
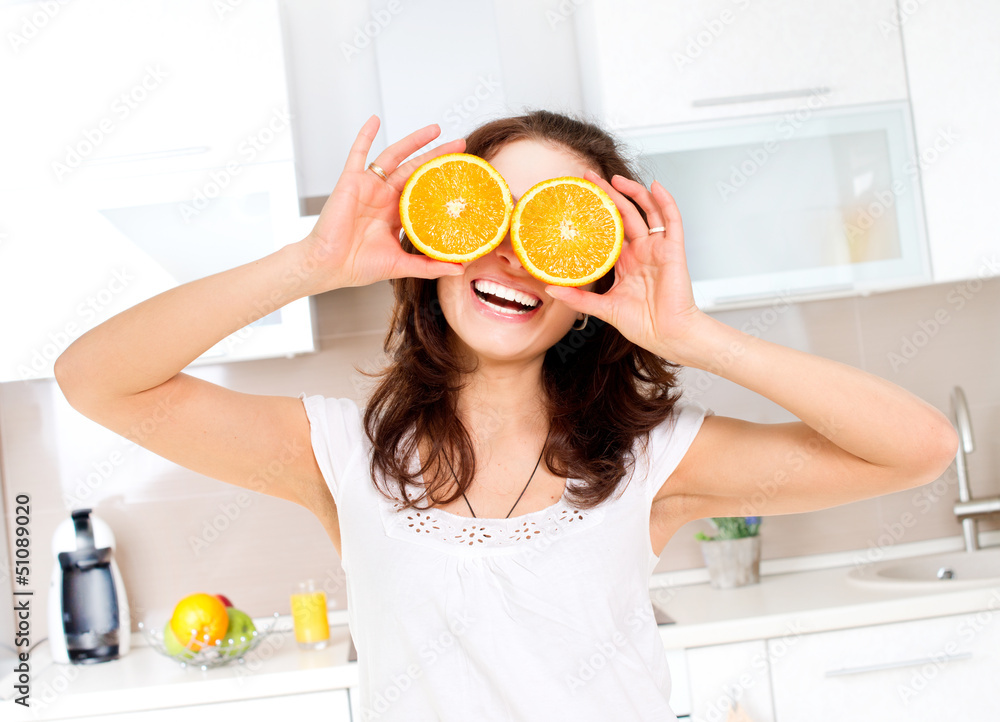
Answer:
(179, 532)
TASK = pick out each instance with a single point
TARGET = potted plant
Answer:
(732, 554)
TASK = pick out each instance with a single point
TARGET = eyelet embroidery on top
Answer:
(452, 529)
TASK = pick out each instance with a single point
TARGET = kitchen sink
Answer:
(950, 570)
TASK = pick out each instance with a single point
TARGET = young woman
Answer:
(500, 503)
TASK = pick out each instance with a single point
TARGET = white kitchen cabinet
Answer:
(953, 63)
(330, 706)
(724, 675)
(651, 63)
(166, 155)
(128, 88)
(930, 669)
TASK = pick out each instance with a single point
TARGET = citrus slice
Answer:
(456, 208)
(566, 231)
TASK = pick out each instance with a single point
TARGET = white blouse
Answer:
(543, 616)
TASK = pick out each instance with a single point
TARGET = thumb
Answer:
(593, 304)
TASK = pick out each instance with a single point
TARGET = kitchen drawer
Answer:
(330, 706)
(723, 675)
(931, 669)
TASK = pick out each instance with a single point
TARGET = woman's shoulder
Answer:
(678, 429)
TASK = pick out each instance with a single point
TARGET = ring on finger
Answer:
(377, 170)
(658, 229)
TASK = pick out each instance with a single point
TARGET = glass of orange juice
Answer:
(312, 631)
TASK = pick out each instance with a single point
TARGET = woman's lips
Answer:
(494, 311)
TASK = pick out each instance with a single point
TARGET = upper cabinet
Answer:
(953, 61)
(781, 128)
(159, 150)
(674, 61)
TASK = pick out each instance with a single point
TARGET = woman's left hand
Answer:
(651, 302)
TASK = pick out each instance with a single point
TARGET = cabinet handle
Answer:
(897, 665)
(777, 95)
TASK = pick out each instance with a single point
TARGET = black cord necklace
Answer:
(522, 491)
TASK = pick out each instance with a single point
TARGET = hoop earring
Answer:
(583, 325)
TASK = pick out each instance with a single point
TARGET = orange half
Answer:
(567, 231)
(456, 208)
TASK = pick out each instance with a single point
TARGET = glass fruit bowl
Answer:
(223, 652)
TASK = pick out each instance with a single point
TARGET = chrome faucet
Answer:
(968, 509)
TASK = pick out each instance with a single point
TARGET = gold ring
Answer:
(658, 229)
(374, 168)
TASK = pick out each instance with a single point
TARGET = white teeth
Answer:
(510, 294)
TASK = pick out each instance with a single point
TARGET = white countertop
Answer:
(781, 605)
(800, 603)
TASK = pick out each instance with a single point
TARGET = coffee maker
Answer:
(88, 610)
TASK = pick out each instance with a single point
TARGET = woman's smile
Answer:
(503, 299)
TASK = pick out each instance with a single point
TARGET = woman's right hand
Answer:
(355, 241)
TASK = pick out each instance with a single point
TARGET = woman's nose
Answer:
(506, 252)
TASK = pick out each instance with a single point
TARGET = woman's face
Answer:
(491, 327)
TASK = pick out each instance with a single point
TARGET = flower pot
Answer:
(732, 562)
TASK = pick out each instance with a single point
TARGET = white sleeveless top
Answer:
(543, 616)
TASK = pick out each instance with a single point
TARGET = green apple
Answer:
(240, 625)
(173, 645)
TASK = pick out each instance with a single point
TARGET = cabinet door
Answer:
(953, 63)
(67, 266)
(726, 674)
(652, 63)
(931, 669)
(117, 87)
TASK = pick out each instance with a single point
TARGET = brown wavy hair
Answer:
(603, 392)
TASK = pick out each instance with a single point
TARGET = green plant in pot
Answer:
(732, 554)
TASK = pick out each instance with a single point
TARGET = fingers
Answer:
(593, 304)
(675, 228)
(634, 226)
(414, 266)
(402, 149)
(358, 156)
(399, 177)
(639, 193)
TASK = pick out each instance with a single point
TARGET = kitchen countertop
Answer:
(781, 605)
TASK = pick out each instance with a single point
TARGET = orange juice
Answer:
(309, 617)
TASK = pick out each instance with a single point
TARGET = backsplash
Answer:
(179, 532)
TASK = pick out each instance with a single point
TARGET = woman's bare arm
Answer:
(126, 374)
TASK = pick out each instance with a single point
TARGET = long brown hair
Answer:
(602, 391)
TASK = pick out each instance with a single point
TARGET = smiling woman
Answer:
(505, 394)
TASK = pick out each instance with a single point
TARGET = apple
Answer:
(240, 632)
(224, 599)
(173, 645)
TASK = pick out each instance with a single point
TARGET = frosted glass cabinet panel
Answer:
(808, 204)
